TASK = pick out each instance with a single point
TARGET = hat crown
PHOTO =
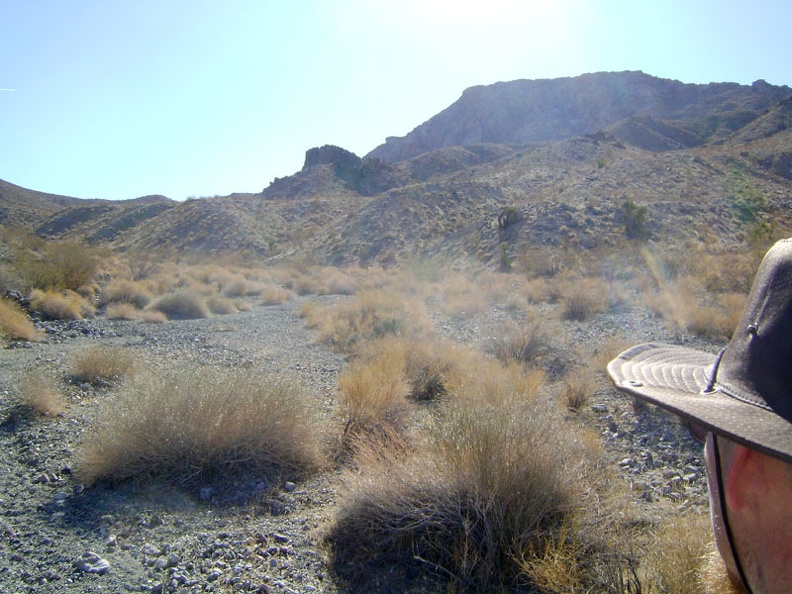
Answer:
(757, 364)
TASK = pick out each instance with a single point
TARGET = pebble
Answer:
(90, 562)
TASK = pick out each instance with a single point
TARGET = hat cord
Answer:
(725, 515)
(710, 387)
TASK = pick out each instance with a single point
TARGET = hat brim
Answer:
(675, 378)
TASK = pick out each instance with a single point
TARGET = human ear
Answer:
(745, 481)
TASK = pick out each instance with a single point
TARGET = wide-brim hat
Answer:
(745, 391)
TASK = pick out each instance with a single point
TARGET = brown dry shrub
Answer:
(372, 395)
(102, 365)
(220, 305)
(122, 311)
(370, 315)
(127, 291)
(273, 295)
(15, 323)
(198, 425)
(61, 305)
(39, 394)
(583, 298)
(676, 561)
(184, 305)
(529, 344)
(577, 388)
(152, 317)
(484, 489)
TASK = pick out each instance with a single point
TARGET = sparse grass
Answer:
(15, 323)
(61, 305)
(193, 426)
(184, 305)
(39, 394)
(102, 365)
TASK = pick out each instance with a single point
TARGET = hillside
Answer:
(506, 167)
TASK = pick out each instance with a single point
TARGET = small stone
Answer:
(90, 562)
(289, 486)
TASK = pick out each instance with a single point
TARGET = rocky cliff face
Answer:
(531, 111)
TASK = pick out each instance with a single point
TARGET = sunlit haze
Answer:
(120, 99)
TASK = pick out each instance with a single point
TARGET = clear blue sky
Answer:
(119, 99)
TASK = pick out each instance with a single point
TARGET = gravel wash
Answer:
(262, 534)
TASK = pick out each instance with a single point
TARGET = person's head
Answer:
(740, 404)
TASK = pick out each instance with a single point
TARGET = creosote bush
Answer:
(199, 425)
(56, 266)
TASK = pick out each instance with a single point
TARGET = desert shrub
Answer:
(633, 217)
(528, 344)
(238, 286)
(122, 311)
(583, 298)
(15, 323)
(127, 291)
(102, 365)
(39, 394)
(372, 396)
(372, 314)
(61, 305)
(220, 305)
(486, 489)
(676, 562)
(56, 266)
(183, 305)
(273, 295)
(193, 426)
(152, 317)
(577, 389)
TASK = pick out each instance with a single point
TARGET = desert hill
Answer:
(508, 166)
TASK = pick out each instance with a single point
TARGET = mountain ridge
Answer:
(699, 158)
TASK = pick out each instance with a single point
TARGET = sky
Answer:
(118, 99)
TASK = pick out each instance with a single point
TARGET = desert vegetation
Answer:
(468, 458)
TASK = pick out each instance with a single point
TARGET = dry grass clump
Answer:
(15, 323)
(183, 305)
(577, 389)
(220, 305)
(529, 344)
(61, 305)
(127, 291)
(370, 315)
(102, 365)
(274, 295)
(122, 311)
(488, 488)
(677, 560)
(373, 396)
(583, 298)
(193, 426)
(39, 394)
